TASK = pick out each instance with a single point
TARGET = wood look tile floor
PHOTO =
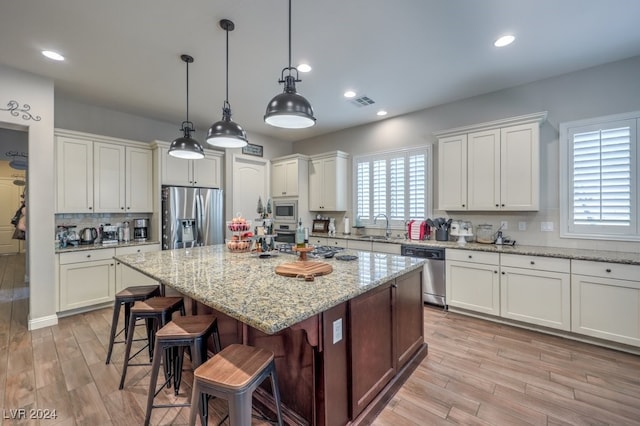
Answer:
(476, 373)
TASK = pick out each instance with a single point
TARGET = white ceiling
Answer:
(406, 55)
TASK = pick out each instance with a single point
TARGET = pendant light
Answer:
(289, 109)
(226, 133)
(186, 147)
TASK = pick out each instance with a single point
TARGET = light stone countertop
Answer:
(630, 258)
(246, 287)
(98, 246)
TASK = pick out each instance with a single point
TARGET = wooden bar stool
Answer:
(127, 297)
(234, 374)
(190, 331)
(157, 309)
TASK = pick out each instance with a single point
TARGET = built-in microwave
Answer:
(285, 211)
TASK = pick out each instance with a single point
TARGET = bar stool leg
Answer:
(127, 352)
(155, 368)
(276, 391)
(114, 327)
(196, 398)
(240, 408)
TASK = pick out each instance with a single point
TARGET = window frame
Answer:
(427, 150)
(598, 232)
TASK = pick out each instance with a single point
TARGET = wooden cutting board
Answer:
(304, 268)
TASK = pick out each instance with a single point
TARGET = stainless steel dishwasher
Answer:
(433, 283)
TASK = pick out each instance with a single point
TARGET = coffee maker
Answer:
(140, 229)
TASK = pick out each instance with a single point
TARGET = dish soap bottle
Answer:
(300, 234)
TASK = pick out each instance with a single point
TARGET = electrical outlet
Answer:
(546, 226)
(522, 226)
(337, 330)
(504, 225)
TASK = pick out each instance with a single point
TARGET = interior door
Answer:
(9, 203)
(250, 181)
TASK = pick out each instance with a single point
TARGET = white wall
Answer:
(603, 90)
(38, 93)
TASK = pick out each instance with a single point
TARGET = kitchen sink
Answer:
(373, 237)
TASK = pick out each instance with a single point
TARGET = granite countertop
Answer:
(97, 246)
(246, 287)
(631, 258)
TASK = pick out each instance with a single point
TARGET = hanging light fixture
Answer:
(19, 161)
(226, 133)
(289, 109)
(186, 147)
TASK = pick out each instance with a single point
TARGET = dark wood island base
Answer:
(342, 366)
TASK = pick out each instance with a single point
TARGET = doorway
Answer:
(14, 286)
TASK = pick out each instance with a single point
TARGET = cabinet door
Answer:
(207, 171)
(278, 180)
(139, 172)
(473, 286)
(372, 357)
(363, 245)
(109, 178)
(126, 276)
(386, 247)
(175, 171)
(606, 308)
(536, 297)
(316, 185)
(87, 283)
(74, 175)
(337, 242)
(452, 173)
(520, 167)
(483, 180)
(408, 316)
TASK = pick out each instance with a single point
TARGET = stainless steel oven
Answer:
(285, 211)
(286, 234)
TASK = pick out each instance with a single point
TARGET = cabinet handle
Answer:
(608, 269)
(463, 205)
(470, 256)
(497, 205)
(138, 250)
(394, 285)
(90, 207)
(195, 181)
(533, 263)
(121, 208)
(502, 205)
(112, 264)
(128, 208)
(118, 263)
(88, 255)
(503, 273)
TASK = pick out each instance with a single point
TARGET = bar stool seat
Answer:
(127, 297)
(189, 331)
(234, 374)
(157, 309)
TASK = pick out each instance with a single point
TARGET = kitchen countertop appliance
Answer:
(109, 234)
(88, 235)
(140, 229)
(191, 217)
(433, 277)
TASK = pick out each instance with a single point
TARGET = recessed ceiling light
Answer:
(381, 113)
(505, 40)
(349, 94)
(304, 67)
(53, 55)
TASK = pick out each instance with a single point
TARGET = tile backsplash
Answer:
(95, 220)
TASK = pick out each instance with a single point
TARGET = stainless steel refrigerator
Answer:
(191, 217)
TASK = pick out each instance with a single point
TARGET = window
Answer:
(599, 180)
(396, 184)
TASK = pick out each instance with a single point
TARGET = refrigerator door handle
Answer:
(199, 222)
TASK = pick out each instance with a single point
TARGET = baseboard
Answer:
(42, 322)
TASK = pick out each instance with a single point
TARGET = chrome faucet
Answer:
(387, 231)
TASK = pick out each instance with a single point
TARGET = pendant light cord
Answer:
(187, 62)
(289, 37)
(226, 99)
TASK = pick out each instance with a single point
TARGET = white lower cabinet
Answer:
(86, 278)
(390, 248)
(536, 290)
(605, 301)
(364, 245)
(472, 280)
(337, 242)
(126, 276)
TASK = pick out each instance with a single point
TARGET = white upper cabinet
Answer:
(74, 175)
(284, 178)
(328, 182)
(452, 194)
(97, 174)
(491, 166)
(205, 172)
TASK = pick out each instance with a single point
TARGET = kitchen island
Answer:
(343, 342)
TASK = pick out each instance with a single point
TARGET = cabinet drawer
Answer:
(472, 256)
(146, 248)
(86, 256)
(386, 248)
(617, 271)
(336, 242)
(359, 245)
(535, 262)
(318, 241)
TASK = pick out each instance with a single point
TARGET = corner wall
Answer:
(37, 92)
